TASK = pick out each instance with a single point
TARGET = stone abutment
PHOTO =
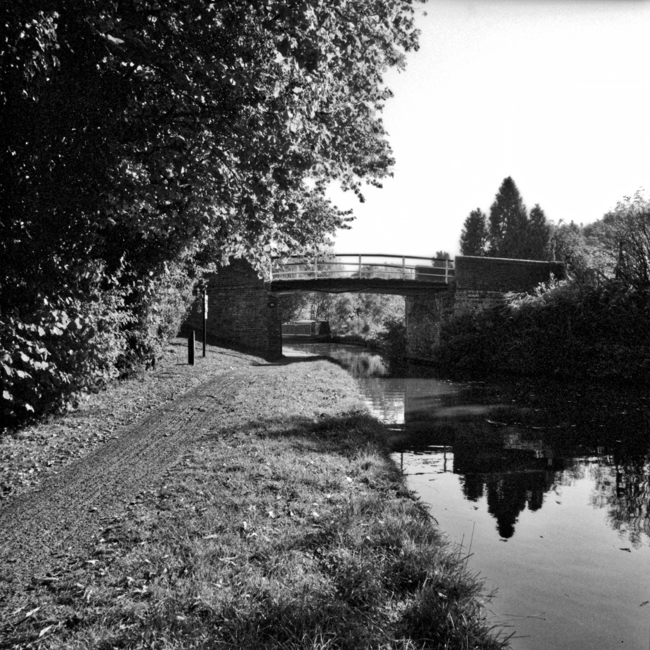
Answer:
(479, 283)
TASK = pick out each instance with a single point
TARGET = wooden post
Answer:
(190, 348)
(205, 320)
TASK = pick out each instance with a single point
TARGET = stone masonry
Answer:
(241, 312)
(479, 283)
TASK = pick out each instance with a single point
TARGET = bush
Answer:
(563, 329)
(55, 348)
(159, 305)
(392, 341)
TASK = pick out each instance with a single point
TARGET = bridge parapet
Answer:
(503, 274)
(363, 266)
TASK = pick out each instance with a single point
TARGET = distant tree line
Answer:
(615, 246)
(591, 326)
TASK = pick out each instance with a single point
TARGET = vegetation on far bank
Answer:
(595, 325)
(563, 330)
(286, 525)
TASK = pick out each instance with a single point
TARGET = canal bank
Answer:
(277, 519)
(546, 486)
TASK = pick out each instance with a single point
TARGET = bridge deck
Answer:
(392, 286)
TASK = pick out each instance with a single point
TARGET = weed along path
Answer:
(255, 508)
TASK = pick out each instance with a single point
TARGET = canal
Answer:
(544, 488)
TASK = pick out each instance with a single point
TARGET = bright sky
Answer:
(555, 93)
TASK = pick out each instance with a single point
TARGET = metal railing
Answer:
(354, 265)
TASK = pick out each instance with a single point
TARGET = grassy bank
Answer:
(285, 525)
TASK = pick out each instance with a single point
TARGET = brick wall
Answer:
(500, 274)
(239, 311)
(480, 282)
(469, 299)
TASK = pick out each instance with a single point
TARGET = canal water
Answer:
(545, 488)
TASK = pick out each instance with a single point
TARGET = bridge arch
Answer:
(243, 314)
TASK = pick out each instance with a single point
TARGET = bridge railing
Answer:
(353, 265)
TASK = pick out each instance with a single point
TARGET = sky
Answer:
(555, 93)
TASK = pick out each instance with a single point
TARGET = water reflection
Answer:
(515, 444)
(359, 361)
(624, 491)
(514, 454)
(560, 474)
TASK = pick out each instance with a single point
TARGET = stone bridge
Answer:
(242, 306)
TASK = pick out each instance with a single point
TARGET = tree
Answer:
(475, 235)
(143, 139)
(538, 236)
(508, 222)
(440, 259)
(582, 250)
(625, 233)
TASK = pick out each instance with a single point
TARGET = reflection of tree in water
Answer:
(548, 435)
(552, 441)
(360, 363)
(509, 494)
(385, 398)
(623, 487)
(513, 469)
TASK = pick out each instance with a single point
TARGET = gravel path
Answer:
(41, 528)
(46, 526)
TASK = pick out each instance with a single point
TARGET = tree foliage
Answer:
(538, 236)
(616, 246)
(475, 235)
(566, 330)
(508, 222)
(154, 140)
(625, 234)
(510, 231)
(581, 249)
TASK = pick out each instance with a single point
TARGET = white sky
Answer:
(555, 94)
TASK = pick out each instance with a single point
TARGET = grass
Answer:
(285, 526)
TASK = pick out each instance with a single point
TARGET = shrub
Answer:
(54, 348)
(392, 340)
(563, 329)
(159, 305)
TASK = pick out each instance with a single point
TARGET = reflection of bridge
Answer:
(351, 272)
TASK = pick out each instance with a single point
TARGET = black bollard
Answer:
(190, 348)
(205, 320)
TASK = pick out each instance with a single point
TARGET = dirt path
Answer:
(43, 530)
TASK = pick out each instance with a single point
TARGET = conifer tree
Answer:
(474, 238)
(538, 235)
(508, 222)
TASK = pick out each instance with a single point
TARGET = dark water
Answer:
(545, 487)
